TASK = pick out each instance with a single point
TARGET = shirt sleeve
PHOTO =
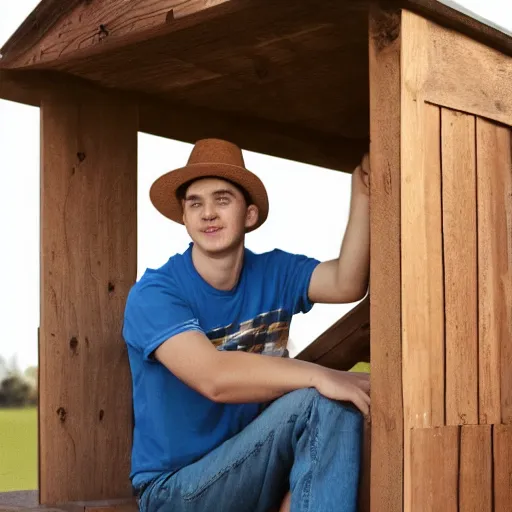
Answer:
(154, 313)
(296, 270)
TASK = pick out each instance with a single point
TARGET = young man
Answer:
(220, 424)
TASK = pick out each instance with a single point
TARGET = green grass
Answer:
(18, 449)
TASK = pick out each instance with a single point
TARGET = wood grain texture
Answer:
(435, 469)
(285, 64)
(88, 264)
(476, 469)
(494, 191)
(502, 446)
(385, 290)
(468, 76)
(460, 266)
(84, 26)
(345, 343)
(421, 250)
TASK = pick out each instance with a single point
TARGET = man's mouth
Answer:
(211, 230)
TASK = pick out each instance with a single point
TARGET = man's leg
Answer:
(302, 441)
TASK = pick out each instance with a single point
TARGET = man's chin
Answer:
(216, 245)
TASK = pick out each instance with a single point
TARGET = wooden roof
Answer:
(296, 68)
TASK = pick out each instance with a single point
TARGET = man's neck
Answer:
(220, 271)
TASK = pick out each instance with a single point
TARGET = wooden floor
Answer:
(29, 500)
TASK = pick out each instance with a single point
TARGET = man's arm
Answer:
(346, 278)
(241, 377)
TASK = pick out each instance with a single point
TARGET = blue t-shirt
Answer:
(175, 425)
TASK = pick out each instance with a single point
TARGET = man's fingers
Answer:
(361, 401)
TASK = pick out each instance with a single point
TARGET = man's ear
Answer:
(251, 216)
(183, 210)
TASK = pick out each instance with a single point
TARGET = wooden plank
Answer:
(88, 264)
(59, 30)
(502, 445)
(476, 468)
(385, 291)
(494, 190)
(445, 15)
(421, 251)
(345, 343)
(468, 76)
(460, 260)
(364, 496)
(435, 469)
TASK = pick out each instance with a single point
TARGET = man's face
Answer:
(216, 215)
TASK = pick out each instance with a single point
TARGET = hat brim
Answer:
(163, 191)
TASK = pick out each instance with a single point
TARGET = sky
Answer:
(308, 209)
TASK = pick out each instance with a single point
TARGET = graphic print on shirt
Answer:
(265, 334)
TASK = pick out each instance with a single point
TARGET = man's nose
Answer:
(209, 211)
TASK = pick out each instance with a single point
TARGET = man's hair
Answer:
(181, 191)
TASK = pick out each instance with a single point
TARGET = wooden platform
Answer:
(29, 500)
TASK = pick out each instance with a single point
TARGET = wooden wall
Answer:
(450, 196)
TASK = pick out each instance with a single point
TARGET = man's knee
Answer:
(303, 401)
(346, 416)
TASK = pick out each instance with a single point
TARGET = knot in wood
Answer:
(73, 344)
(61, 412)
(103, 32)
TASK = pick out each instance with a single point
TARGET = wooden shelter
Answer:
(315, 81)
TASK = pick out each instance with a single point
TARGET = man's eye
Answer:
(195, 205)
(223, 200)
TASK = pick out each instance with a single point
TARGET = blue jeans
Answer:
(301, 441)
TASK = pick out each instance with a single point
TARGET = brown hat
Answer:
(210, 158)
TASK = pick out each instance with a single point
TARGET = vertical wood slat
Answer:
(88, 264)
(494, 182)
(475, 492)
(435, 469)
(421, 249)
(502, 445)
(460, 260)
(387, 414)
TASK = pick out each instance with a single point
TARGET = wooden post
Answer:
(385, 282)
(88, 264)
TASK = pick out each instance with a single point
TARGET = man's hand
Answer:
(345, 387)
(346, 278)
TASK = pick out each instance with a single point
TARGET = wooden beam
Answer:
(189, 124)
(466, 75)
(345, 343)
(451, 18)
(88, 265)
(282, 140)
(385, 280)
